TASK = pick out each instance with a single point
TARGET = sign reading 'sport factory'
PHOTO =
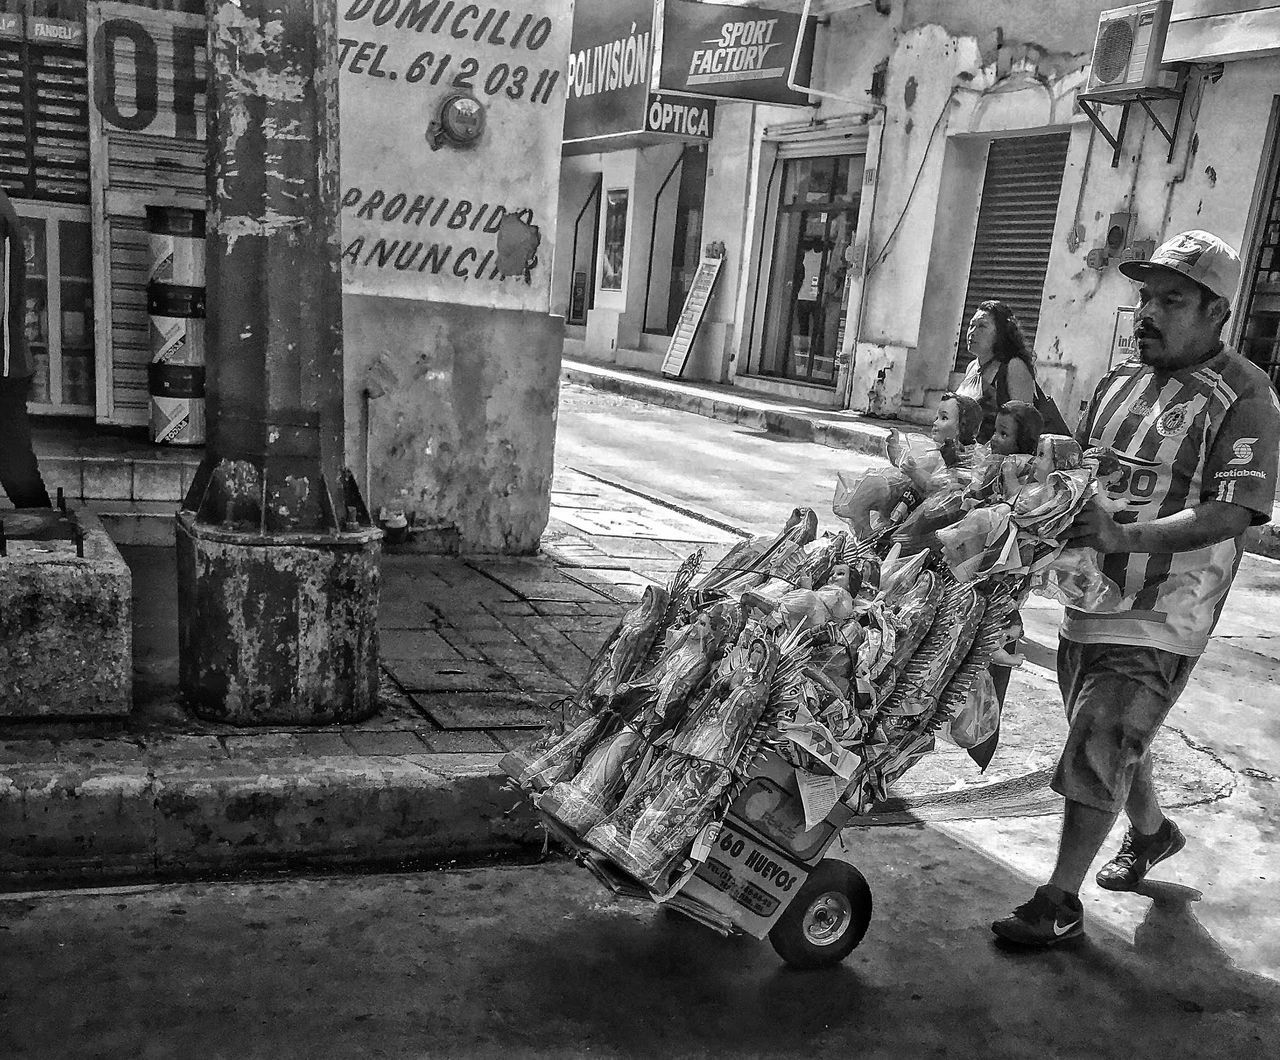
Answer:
(725, 52)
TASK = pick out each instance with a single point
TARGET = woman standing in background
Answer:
(1003, 367)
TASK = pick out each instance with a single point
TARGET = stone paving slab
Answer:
(476, 654)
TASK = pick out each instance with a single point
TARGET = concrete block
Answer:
(62, 472)
(107, 478)
(157, 480)
(66, 623)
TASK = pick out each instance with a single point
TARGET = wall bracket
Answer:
(1090, 102)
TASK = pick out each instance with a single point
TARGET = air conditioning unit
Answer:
(1128, 51)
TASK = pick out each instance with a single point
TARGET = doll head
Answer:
(1018, 429)
(957, 420)
(1056, 452)
(840, 576)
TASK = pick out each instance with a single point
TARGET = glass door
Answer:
(816, 220)
(59, 307)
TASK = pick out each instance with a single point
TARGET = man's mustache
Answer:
(1147, 331)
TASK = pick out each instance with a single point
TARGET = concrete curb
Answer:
(107, 821)
(804, 425)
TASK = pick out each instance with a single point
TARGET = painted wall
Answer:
(952, 83)
(459, 408)
(452, 351)
(729, 181)
(1208, 185)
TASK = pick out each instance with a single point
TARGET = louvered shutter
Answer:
(1015, 228)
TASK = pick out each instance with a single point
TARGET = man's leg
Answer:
(19, 472)
(1084, 830)
(1142, 807)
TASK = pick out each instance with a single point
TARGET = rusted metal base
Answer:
(277, 629)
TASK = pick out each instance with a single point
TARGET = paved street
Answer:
(541, 962)
(1220, 749)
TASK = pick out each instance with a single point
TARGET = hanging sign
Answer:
(685, 116)
(610, 61)
(733, 52)
(695, 308)
(610, 72)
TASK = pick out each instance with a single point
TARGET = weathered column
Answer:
(277, 562)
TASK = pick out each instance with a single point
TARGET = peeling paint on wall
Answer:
(518, 242)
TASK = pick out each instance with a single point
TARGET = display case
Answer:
(59, 307)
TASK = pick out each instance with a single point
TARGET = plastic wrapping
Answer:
(665, 808)
(1074, 577)
(867, 503)
(938, 510)
(978, 717)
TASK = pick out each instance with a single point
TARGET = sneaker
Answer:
(1043, 921)
(1138, 853)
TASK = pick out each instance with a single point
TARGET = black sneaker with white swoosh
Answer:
(1043, 921)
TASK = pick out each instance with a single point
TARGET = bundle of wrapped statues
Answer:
(844, 652)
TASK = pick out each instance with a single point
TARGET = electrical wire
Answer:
(914, 184)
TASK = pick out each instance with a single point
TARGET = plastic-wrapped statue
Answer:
(581, 801)
(545, 760)
(811, 608)
(1056, 452)
(676, 797)
(630, 645)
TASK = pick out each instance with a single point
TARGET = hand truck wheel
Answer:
(826, 919)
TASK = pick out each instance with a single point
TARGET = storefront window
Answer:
(59, 306)
(615, 239)
(816, 220)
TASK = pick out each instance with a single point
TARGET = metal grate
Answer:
(1015, 229)
(1260, 336)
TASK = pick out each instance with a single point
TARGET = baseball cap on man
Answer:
(1199, 256)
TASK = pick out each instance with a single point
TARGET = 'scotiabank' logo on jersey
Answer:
(1243, 450)
(1174, 421)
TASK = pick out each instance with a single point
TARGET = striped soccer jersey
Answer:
(1207, 432)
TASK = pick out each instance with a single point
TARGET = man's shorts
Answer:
(1116, 696)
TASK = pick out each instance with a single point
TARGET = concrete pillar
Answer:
(278, 563)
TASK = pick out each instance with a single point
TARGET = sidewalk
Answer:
(475, 654)
(836, 429)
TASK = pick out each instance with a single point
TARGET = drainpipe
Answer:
(873, 111)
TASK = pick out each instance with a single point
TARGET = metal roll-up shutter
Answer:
(1015, 228)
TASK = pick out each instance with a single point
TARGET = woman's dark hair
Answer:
(969, 415)
(1030, 424)
(1010, 342)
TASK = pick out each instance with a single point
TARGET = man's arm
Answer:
(1185, 531)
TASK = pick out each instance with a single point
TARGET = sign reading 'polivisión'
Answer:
(733, 52)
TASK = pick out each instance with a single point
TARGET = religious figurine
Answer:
(667, 806)
(659, 698)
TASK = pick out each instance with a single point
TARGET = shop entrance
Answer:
(816, 220)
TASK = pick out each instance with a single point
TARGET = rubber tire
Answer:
(788, 937)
